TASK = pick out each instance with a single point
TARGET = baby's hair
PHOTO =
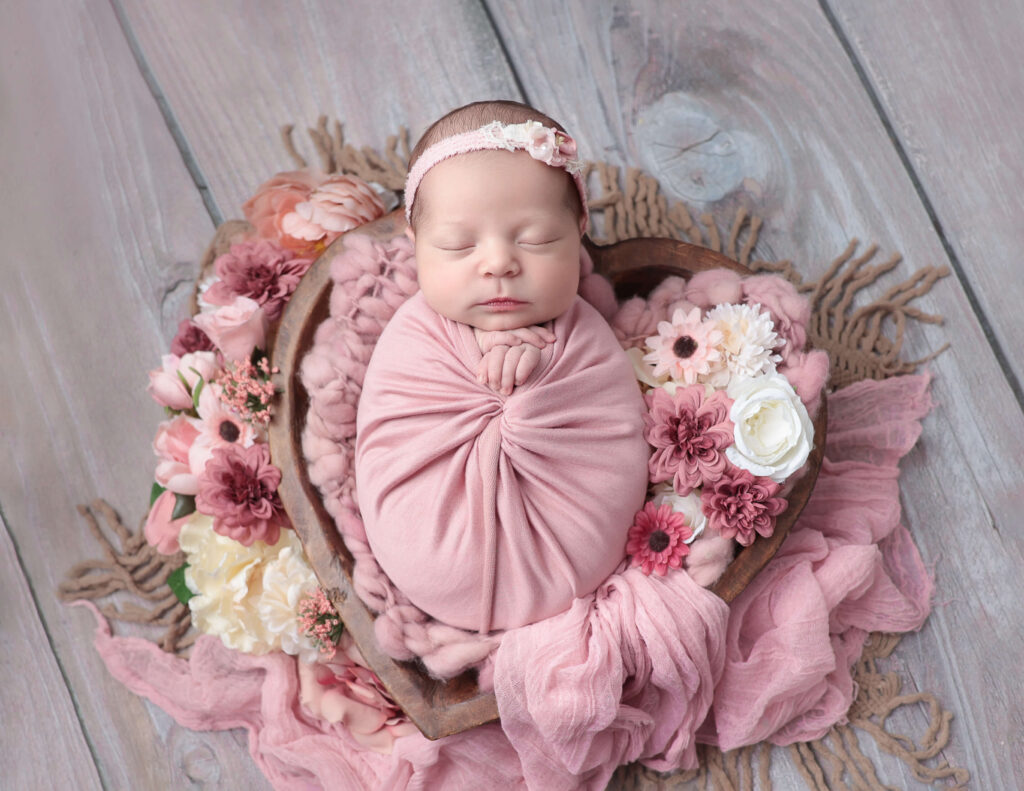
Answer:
(473, 116)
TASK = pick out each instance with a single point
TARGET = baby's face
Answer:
(497, 245)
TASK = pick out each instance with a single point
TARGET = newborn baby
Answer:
(500, 455)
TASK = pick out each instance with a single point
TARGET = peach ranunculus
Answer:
(172, 444)
(276, 198)
(235, 329)
(166, 385)
(161, 531)
(336, 206)
(346, 692)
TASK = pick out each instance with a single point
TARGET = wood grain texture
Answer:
(30, 681)
(100, 226)
(759, 106)
(952, 84)
(233, 75)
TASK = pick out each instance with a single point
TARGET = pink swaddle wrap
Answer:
(488, 511)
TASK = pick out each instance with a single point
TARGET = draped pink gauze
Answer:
(626, 674)
(489, 511)
(848, 567)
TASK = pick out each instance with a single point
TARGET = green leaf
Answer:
(155, 492)
(200, 384)
(184, 504)
(176, 582)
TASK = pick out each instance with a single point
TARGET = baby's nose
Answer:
(500, 260)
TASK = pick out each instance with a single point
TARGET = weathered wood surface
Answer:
(738, 103)
(951, 81)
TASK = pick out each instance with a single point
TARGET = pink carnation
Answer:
(689, 432)
(238, 488)
(740, 505)
(657, 539)
(338, 205)
(258, 269)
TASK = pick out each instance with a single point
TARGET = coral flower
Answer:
(657, 539)
(689, 433)
(277, 198)
(334, 207)
(739, 504)
(238, 488)
(685, 348)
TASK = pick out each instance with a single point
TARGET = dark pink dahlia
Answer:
(189, 338)
(740, 505)
(238, 488)
(260, 270)
(689, 432)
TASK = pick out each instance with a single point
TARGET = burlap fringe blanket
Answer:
(864, 341)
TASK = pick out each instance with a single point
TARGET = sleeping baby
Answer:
(500, 455)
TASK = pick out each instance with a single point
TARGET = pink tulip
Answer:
(173, 441)
(166, 386)
(161, 531)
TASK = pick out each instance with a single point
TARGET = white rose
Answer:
(686, 504)
(773, 432)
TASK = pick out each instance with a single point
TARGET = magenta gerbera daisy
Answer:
(685, 347)
(689, 432)
(740, 504)
(656, 540)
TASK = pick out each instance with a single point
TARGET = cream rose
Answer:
(773, 432)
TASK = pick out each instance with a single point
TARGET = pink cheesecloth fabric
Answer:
(779, 655)
(642, 669)
(520, 503)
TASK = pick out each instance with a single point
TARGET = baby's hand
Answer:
(535, 336)
(502, 367)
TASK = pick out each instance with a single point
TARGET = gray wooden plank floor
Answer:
(129, 129)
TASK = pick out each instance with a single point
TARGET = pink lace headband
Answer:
(543, 143)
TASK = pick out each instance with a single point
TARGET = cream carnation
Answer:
(772, 430)
(686, 504)
(247, 596)
(748, 343)
(286, 579)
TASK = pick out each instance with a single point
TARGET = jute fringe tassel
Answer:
(860, 347)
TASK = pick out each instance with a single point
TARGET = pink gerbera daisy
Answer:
(657, 539)
(684, 348)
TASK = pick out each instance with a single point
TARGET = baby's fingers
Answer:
(490, 369)
(489, 339)
(510, 366)
(527, 362)
(535, 336)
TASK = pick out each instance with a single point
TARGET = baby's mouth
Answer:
(499, 302)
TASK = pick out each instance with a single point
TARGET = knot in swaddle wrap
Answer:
(488, 511)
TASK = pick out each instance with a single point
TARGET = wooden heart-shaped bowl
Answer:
(438, 708)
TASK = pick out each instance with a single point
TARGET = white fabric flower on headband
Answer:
(543, 143)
